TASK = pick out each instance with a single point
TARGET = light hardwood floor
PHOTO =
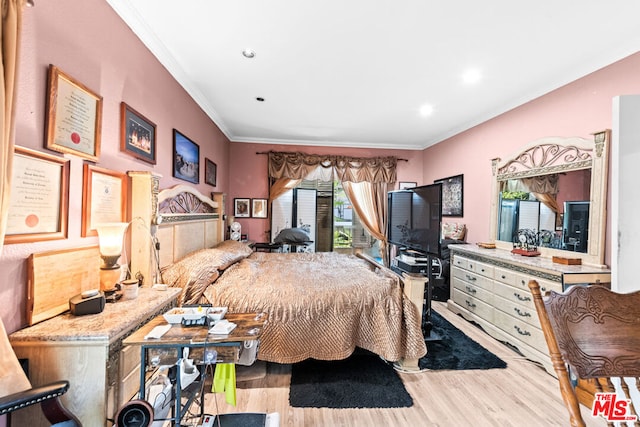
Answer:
(523, 394)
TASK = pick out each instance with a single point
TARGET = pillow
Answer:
(228, 252)
(192, 274)
(292, 235)
(196, 271)
(453, 230)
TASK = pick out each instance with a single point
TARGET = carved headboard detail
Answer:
(182, 202)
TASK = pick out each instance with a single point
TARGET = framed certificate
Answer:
(74, 116)
(104, 198)
(39, 197)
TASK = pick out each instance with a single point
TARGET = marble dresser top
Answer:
(539, 263)
(115, 319)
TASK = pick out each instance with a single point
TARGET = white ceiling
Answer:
(356, 72)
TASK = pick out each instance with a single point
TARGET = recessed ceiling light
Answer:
(248, 53)
(426, 110)
(472, 75)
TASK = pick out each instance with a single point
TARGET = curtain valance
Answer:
(296, 165)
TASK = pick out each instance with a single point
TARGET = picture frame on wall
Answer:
(186, 158)
(74, 116)
(259, 208)
(104, 198)
(39, 203)
(406, 185)
(452, 195)
(210, 171)
(241, 208)
(137, 135)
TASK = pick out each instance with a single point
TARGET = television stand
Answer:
(419, 295)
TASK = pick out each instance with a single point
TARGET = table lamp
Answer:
(110, 236)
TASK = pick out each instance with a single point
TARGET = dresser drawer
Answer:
(523, 331)
(503, 275)
(129, 359)
(460, 261)
(472, 290)
(480, 268)
(513, 294)
(473, 278)
(474, 305)
(129, 386)
(525, 313)
(522, 282)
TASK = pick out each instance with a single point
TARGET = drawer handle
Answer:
(471, 278)
(470, 290)
(470, 304)
(521, 298)
(521, 332)
(503, 277)
(522, 313)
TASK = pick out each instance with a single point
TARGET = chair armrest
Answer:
(26, 398)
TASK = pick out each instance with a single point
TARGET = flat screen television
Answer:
(415, 218)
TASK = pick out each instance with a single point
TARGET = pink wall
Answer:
(577, 109)
(87, 40)
(248, 176)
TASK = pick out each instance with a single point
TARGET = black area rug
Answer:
(456, 350)
(361, 381)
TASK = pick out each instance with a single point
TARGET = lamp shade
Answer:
(110, 237)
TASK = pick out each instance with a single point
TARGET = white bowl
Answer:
(174, 315)
(216, 313)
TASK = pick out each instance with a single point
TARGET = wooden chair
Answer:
(16, 391)
(597, 333)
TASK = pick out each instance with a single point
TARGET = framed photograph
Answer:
(241, 208)
(452, 195)
(104, 198)
(74, 116)
(186, 158)
(210, 170)
(137, 135)
(406, 185)
(39, 202)
(259, 208)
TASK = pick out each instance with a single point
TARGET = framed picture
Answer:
(210, 170)
(74, 116)
(452, 195)
(137, 135)
(186, 158)
(104, 198)
(39, 202)
(259, 208)
(241, 208)
(406, 185)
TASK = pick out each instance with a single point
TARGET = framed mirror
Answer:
(557, 188)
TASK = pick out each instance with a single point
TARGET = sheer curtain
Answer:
(365, 181)
(11, 28)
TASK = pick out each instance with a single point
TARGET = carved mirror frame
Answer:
(554, 155)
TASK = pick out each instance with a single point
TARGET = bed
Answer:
(319, 305)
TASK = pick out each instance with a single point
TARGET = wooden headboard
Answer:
(178, 220)
(187, 221)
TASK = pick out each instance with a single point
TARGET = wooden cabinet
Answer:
(490, 287)
(88, 352)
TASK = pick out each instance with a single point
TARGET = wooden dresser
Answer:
(489, 287)
(88, 352)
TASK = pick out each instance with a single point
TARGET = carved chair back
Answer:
(597, 333)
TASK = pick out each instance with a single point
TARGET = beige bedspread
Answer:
(321, 306)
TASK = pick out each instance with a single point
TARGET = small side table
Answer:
(267, 247)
